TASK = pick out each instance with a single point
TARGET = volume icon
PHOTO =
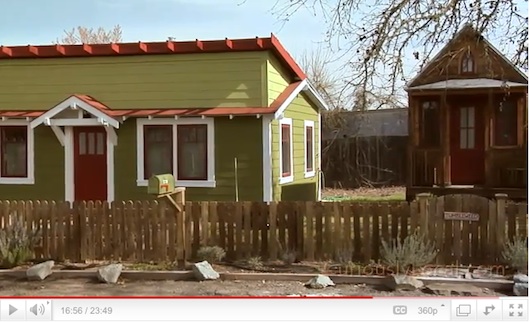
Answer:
(38, 309)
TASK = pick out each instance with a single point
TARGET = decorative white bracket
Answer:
(58, 133)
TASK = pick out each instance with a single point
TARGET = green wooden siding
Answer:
(277, 79)
(49, 171)
(299, 110)
(124, 82)
(301, 188)
(240, 137)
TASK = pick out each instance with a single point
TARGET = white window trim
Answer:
(141, 122)
(30, 179)
(267, 157)
(307, 124)
(319, 159)
(286, 121)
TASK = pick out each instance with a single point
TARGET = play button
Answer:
(12, 309)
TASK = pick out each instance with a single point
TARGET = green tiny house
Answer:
(201, 110)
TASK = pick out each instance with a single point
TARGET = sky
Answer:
(42, 22)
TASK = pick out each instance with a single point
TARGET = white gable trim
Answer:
(290, 99)
(310, 91)
(315, 97)
(74, 103)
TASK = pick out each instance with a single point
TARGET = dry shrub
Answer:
(289, 257)
(254, 263)
(211, 254)
(515, 254)
(413, 252)
(17, 243)
(344, 255)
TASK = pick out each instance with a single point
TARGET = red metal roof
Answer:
(146, 48)
(93, 102)
(284, 95)
(16, 114)
(214, 111)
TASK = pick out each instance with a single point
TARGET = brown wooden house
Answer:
(468, 122)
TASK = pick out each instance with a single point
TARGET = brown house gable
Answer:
(488, 61)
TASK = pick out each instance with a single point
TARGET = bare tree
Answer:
(382, 38)
(84, 35)
(317, 66)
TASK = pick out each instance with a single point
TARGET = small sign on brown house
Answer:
(453, 215)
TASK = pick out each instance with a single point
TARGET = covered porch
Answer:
(88, 136)
(468, 136)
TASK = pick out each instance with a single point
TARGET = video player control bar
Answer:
(264, 309)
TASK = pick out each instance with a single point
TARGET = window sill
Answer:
(505, 147)
(185, 183)
(196, 183)
(17, 181)
(288, 179)
(309, 174)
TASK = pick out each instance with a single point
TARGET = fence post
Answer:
(423, 223)
(81, 221)
(501, 219)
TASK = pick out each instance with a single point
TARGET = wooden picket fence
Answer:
(145, 231)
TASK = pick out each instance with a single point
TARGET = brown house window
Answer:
(505, 121)
(158, 150)
(192, 152)
(14, 155)
(467, 65)
(429, 124)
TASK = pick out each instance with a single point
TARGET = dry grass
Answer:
(364, 194)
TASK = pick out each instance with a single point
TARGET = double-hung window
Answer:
(182, 147)
(286, 150)
(16, 153)
(505, 123)
(309, 140)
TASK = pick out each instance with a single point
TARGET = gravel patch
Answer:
(83, 287)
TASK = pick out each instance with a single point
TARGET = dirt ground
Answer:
(83, 287)
(384, 193)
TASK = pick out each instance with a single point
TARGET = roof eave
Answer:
(306, 87)
(76, 102)
(316, 97)
(450, 42)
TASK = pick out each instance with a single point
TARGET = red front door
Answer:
(90, 163)
(467, 142)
